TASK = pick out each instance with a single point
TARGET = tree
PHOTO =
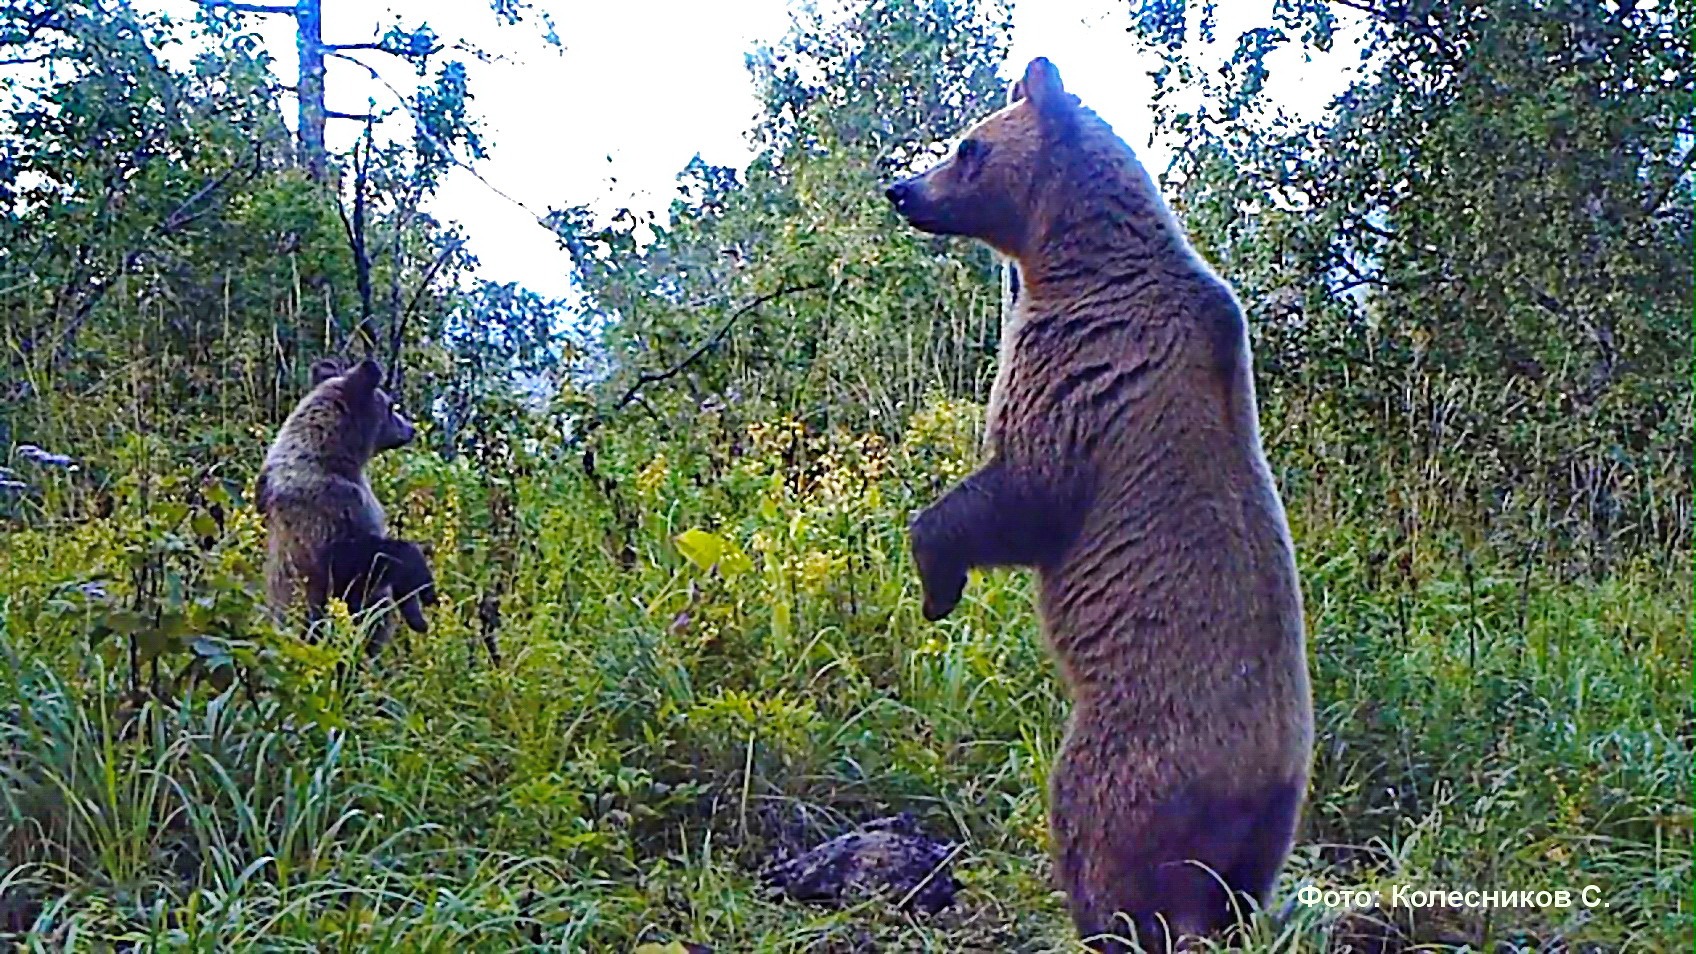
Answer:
(111, 161)
(392, 179)
(153, 217)
(872, 315)
(416, 46)
(1479, 257)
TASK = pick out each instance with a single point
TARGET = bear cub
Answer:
(327, 534)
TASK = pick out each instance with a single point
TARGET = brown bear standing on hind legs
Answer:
(327, 532)
(1125, 465)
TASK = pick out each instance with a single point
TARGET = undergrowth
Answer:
(647, 680)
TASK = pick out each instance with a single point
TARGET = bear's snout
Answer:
(913, 203)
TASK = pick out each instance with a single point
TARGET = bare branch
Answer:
(382, 46)
(650, 377)
(1599, 333)
(1400, 16)
(1360, 277)
(1383, 233)
(398, 328)
(1680, 170)
(1366, 226)
(27, 32)
(185, 213)
(248, 7)
(423, 130)
(356, 239)
(337, 114)
(1370, 10)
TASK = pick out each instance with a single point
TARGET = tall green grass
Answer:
(665, 718)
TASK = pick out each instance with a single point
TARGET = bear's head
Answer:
(992, 186)
(366, 419)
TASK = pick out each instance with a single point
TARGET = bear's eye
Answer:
(970, 155)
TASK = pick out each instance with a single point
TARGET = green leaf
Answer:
(173, 623)
(217, 493)
(205, 525)
(735, 564)
(700, 547)
(126, 622)
(152, 641)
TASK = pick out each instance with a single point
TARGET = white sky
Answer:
(651, 83)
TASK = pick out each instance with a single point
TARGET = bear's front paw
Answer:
(414, 614)
(941, 576)
(941, 597)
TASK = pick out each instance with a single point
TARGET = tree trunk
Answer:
(309, 40)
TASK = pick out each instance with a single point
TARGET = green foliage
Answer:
(654, 733)
(164, 262)
(1479, 257)
(870, 316)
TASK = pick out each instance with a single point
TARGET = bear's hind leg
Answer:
(1160, 869)
(1121, 850)
(1267, 845)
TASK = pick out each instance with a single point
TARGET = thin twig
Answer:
(651, 377)
(1680, 170)
(249, 7)
(398, 328)
(424, 131)
(185, 213)
(356, 239)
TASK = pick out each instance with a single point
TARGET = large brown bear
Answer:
(327, 532)
(1125, 465)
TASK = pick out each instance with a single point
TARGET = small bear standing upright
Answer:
(327, 531)
(1125, 465)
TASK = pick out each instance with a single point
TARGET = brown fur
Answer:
(312, 488)
(363, 570)
(1125, 465)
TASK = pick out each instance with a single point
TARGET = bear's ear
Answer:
(1041, 85)
(365, 376)
(324, 369)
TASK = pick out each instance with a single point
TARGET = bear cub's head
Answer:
(991, 186)
(367, 415)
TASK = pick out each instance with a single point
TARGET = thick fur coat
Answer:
(1125, 465)
(327, 531)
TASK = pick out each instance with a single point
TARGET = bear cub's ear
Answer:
(366, 375)
(324, 369)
